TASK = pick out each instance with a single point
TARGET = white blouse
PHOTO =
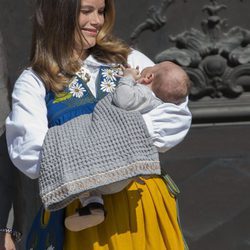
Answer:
(27, 125)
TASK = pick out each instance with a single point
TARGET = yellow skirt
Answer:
(141, 217)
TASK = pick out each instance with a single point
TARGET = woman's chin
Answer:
(90, 44)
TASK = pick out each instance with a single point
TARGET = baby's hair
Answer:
(171, 83)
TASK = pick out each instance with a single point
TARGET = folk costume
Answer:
(139, 217)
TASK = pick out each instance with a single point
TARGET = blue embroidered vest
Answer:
(77, 99)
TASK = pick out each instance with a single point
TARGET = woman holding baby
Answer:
(73, 65)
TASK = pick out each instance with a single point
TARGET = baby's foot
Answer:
(85, 217)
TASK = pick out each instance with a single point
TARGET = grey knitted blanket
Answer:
(93, 150)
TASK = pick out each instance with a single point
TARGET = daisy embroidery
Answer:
(76, 89)
(109, 74)
(107, 86)
(84, 74)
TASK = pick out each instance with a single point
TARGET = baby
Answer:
(163, 82)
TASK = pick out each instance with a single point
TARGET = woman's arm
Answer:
(168, 123)
(26, 126)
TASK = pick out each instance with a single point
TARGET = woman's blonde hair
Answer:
(52, 52)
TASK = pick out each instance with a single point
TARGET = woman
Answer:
(73, 65)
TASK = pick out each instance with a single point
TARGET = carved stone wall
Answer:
(215, 56)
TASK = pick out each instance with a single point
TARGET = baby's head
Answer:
(168, 81)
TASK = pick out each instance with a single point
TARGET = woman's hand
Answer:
(6, 242)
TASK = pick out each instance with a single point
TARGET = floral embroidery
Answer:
(61, 97)
(108, 78)
(109, 74)
(107, 85)
(76, 89)
(84, 74)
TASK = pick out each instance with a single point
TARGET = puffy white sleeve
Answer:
(27, 125)
(168, 123)
(136, 58)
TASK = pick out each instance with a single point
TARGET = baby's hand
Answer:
(134, 72)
